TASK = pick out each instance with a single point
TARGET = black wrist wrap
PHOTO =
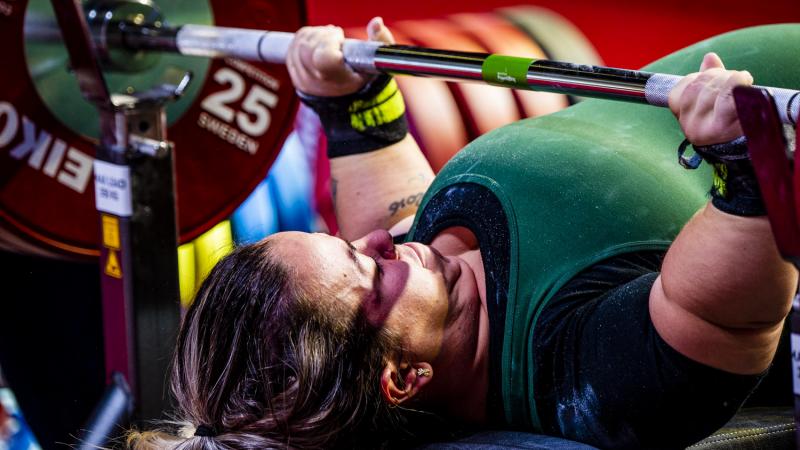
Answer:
(735, 186)
(367, 120)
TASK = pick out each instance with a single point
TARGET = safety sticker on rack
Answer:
(110, 232)
(113, 268)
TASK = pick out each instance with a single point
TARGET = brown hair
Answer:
(259, 362)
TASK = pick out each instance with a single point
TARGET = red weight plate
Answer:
(433, 113)
(558, 37)
(483, 107)
(46, 194)
(500, 36)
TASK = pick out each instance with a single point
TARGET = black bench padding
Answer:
(764, 428)
(754, 429)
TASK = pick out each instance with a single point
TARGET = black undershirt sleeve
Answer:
(604, 375)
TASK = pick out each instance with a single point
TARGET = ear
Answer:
(414, 377)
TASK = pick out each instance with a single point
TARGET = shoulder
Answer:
(455, 241)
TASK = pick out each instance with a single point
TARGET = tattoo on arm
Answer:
(411, 200)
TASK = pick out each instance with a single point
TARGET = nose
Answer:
(377, 242)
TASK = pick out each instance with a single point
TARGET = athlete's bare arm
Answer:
(372, 190)
(724, 290)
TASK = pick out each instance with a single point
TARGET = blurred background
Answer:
(626, 33)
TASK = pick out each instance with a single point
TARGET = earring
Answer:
(423, 372)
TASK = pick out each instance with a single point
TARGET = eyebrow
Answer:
(351, 251)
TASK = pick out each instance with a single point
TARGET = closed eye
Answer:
(376, 282)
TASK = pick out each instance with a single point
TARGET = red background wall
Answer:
(626, 33)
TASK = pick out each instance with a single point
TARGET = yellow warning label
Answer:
(112, 265)
(111, 232)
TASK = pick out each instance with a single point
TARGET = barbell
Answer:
(373, 57)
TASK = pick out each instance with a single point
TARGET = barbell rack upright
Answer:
(135, 200)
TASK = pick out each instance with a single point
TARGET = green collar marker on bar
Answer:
(507, 71)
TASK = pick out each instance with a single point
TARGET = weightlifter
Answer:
(518, 298)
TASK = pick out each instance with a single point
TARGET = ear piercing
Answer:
(423, 372)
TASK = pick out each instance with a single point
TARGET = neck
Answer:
(462, 369)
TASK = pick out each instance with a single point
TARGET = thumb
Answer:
(377, 31)
(711, 61)
(327, 57)
(328, 60)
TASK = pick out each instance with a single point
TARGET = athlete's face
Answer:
(405, 288)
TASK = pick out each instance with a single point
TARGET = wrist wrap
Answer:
(735, 187)
(367, 120)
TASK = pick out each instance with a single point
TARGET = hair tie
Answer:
(205, 431)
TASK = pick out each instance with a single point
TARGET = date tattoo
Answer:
(405, 202)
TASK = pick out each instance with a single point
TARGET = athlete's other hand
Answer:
(316, 62)
(703, 102)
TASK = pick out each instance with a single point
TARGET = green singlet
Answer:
(593, 181)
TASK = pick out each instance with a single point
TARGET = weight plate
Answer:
(499, 36)
(483, 107)
(58, 88)
(257, 217)
(227, 129)
(210, 247)
(187, 278)
(560, 39)
(292, 186)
